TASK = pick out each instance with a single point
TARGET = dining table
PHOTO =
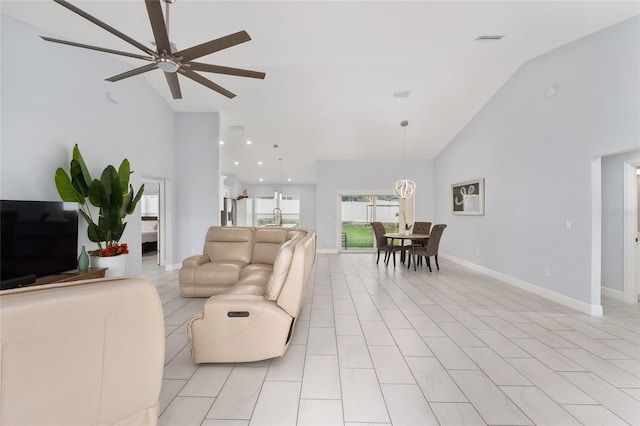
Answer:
(402, 237)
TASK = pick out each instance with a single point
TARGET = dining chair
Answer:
(420, 228)
(431, 248)
(383, 243)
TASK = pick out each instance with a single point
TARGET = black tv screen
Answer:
(38, 238)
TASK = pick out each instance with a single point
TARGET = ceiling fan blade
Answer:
(174, 86)
(208, 83)
(157, 25)
(100, 49)
(213, 46)
(107, 27)
(197, 66)
(133, 72)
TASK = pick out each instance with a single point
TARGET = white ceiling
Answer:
(333, 67)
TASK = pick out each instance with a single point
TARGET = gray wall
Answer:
(613, 219)
(46, 109)
(536, 155)
(307, 195)
(334, 176)
(197, 159)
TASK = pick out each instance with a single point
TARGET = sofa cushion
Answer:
(222, 273)
(229, 244)
(280, 270)
(266, 243)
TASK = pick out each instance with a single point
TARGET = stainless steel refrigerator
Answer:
(228, 212)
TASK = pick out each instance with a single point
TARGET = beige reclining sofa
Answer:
(256, 279)
(81, 353)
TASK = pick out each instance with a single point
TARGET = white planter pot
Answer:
(116, 264)
(407, 232)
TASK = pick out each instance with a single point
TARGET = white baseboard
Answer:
(174, 267)
(614, 294)
(327, 251)
(594, 310)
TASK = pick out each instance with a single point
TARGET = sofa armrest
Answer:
(239, 328)
(83, 352)
(196, 260)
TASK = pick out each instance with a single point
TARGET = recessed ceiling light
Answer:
(489, 37)
(260, 179)
(401, 94)
(236, 163)
(289, 179)
(259, 163)
(221, 142)
(248, 142)
(237, 128)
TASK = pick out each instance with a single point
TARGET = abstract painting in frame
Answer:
(467, 198)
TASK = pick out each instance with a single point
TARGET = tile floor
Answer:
(378, 345)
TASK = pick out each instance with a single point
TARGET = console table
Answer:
(73, 275)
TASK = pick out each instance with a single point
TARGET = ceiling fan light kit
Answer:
(165, 57)
(404, 188)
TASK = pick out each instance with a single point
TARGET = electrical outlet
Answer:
(568, 225)
(478, 252)
(547, 272)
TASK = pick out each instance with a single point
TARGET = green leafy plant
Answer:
(112, 194)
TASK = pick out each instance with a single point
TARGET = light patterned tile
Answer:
(456, 414)
(353, 352)
(362, 398)
(449, 354)
(594, 415)
(407, 406)
(390, 365)
(623, 405)
(541, 409)
(321, 379)
(238, 397)
(277, 404)
(186, 411)
(434, 381)
(492, 404)
(320, 412)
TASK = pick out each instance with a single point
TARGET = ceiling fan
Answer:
(164, 58)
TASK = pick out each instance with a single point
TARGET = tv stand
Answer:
(73, 275)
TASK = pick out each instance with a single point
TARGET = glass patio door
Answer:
(356, 214)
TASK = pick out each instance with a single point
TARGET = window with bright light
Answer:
(266, 213)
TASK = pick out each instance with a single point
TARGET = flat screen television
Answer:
(38, 238)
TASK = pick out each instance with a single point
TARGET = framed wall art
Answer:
(467, 198)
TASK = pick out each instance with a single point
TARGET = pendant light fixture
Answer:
(404, 188)
(277, 194)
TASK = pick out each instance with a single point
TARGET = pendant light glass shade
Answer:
(404, 188)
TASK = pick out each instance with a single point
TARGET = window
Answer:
(266, 213)
(358, 211)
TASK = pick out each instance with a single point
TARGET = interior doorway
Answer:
(631, 187)
(153, 221)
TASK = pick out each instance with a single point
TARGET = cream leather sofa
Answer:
(258, 278)
(81, 353)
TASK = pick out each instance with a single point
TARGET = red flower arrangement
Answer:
(112, 249)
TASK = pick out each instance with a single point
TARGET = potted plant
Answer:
(113, 195)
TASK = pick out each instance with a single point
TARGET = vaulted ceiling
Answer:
(332, 68)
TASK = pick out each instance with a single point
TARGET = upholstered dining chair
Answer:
(420, 228)
(431, 249)
(383, 244)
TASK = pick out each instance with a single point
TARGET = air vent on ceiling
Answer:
(401, 94)
(237, 128)
(489, 37)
